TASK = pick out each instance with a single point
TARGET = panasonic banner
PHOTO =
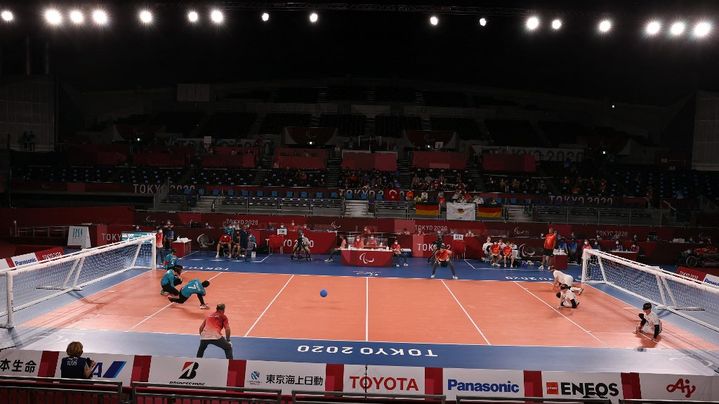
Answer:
(483, 383)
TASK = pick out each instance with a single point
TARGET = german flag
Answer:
(426, 209)
(489, 213)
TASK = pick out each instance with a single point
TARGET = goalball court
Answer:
(276, 313)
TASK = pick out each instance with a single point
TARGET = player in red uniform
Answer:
(550, 241)
(443, 257)
(495, 250)
(508, 253)
(225, 241)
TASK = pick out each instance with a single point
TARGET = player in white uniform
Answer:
(560, 278)
(567, 298)
(650, 322)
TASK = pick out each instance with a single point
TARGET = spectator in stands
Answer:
(211, 332)
(338, 249)
(634, 248)
(469, 233)
(74, 366)
(586, 245)
(618, 246)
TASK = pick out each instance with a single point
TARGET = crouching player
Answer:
(650, 323)
(193, 287)
(567, 298)
(170, 280)
(443, 257)
(560, 278)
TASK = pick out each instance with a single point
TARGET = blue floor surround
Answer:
(378, 353)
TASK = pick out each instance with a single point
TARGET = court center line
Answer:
(366, 309)
(158, 312)
(559, 312)
(268, 306)
(465, 312)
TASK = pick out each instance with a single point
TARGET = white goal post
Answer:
(30, 284)
(684, 296)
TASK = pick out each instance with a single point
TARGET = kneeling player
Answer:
(560, 278)
(650, 323)
(193, 287)
(170, 280)
(567, 298)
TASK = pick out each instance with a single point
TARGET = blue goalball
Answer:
(323, 293)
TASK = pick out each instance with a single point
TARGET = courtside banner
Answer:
(287, 376)
(691, 273)
(188, 371)
(582, 385)
(711, 279)
(49, 253)
(24, 259)
(16, 362)
(461, 211)
(116, 368)
(679, 387)
(383, 379)
(483, 383)
(5, 263)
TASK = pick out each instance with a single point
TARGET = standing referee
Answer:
(211, 332)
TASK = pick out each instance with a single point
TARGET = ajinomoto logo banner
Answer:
(679, 387)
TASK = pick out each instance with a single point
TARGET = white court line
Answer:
(559, 312)
(268, 306)
(366, 309)
(185, 257)
(465, 312)
(263, 259)
(158, 312)
(467, 262)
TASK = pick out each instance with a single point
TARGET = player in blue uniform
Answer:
(193, 287)
(171, 260)
(170, 280)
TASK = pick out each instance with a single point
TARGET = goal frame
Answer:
(668, 301)
(74, 273)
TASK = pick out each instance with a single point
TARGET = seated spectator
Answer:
(359, 242)
(75, 366)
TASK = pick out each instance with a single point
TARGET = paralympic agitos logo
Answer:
(363, 258)
(584, 390)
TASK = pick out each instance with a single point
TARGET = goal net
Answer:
(686, 297)
(27, 285)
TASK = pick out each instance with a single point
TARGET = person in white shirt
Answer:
(560, 278)
(567, 298)
(650, 322)
(485, 249)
